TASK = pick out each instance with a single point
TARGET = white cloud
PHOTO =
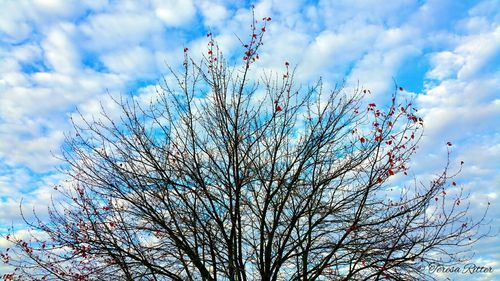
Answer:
(35, 152)
(466, 95)
(378, 66)
(54, 7)
(334, 50)
(335, 13)
(174, 12)
(486, 7)
(61, 54)
(445, 64)
(36, 194)
(135, 61)
(215, 14)
(13, 24)
(27, 53)
(116, 29)
(20, 19)
(477, 51)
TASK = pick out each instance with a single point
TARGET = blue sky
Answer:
(56, 56)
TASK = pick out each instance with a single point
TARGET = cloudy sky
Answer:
(57, 56)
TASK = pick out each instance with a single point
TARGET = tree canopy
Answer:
(225, 176)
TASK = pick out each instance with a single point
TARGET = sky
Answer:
(57, 56)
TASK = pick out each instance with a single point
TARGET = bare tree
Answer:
(224, 177)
